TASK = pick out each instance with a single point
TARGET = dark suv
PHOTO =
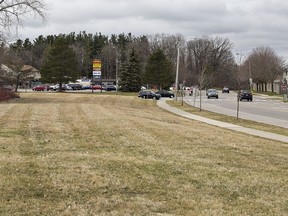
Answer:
(225, 90)
(246, 95)
(149, 95)
(165, 93)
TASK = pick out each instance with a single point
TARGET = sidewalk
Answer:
(263, 134)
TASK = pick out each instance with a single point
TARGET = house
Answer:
(27, 75)
(30, 72)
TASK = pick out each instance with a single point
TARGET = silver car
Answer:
(212, 93)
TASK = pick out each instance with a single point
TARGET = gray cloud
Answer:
(247, 23)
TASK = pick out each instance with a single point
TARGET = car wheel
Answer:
(217, 97)
(171, 96)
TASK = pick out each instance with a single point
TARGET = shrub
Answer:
(7, 94)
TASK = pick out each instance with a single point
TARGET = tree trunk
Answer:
(17, 82)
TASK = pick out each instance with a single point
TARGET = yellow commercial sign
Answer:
(96, 64)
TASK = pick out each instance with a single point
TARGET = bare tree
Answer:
(12, 12)
(221, 61)
(4, 70)
(265, 65)
(168, 43)
(200, 51)
(201, 81)
(215, 55)
(15, 64)
(2, 51)
(108, 56)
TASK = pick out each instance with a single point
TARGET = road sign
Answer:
(96, 73)
(96, 65)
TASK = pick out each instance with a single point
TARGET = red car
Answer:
(41, 88)
(96, 87)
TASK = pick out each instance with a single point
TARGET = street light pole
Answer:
(250, 78)
(116, 75)
(177, 72)
(116, 72)
(238, 81)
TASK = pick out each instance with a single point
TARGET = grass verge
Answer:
(228, 119)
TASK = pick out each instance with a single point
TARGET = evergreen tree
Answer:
(60, 64)
(130, 75)
(159, 70)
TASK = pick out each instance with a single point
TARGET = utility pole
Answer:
(177, 73)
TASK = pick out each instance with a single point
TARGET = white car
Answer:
(64, 87)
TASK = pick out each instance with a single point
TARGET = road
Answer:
(262, 109)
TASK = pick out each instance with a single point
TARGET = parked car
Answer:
(245, 94)
(41, 88)
(96, 87)
(149, 95)
(64, 87)
(212, 93)
(54, 87)
(75, 86)
(84, 87)
(225, 90)
(165, 93)
(110, 88)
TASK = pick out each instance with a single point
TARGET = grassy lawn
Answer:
(101, 154)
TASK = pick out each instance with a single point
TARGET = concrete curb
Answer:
(162, 104)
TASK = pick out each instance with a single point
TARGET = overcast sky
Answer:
(246, 23)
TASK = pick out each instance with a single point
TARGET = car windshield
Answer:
(211, 90)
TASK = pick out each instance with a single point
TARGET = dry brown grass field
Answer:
(96, 154)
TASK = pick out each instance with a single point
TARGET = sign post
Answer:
(97, 71)
(284, 89)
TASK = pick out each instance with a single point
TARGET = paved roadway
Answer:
(262, 109)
